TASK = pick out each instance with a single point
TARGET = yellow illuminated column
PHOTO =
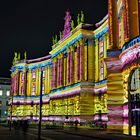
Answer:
(96, 61)
(58, 71)
(75, 64)
(107, 39)
(78, 62)
(46, 80)
(85, 61)
(37, 80)
(81, 59)
(29, 83)
(38, 84)
(90, 61)
(105, 55)
(48, 77)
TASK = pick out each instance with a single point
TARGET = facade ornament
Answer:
(67, 25)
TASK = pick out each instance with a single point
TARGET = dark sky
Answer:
(30, 25)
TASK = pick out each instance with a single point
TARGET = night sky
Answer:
(30, 25)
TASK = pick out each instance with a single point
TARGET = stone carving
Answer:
(67, 25)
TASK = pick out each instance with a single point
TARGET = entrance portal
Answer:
(134, 102)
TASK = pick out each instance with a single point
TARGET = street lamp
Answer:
(10, 125)
(40, 107)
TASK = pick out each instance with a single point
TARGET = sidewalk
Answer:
(99, 134)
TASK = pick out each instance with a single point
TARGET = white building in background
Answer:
(4, 96)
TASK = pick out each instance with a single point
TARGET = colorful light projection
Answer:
(122, 8)
(76, 85)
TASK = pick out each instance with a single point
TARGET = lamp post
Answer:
(10, 125)
(40, 106)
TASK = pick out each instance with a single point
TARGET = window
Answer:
(43, 88)
(22, 77)
(0, 92)
(33, 74)
(33, 89)
(101, 70)
(43, 73)
(101, 47)
(0, 103)
(8, 93)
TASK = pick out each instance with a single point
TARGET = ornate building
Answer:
(89, 76)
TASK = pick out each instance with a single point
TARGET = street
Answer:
(32, 134)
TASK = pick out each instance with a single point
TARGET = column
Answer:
(71, 64)
(68, 66)
(48, 78)
(91, 60)
(61, 70)
(65, 69)
(23, 82)
(81, 60)
(58, 71)
(85, 61)
(29, 83)
(75, 65)
(96, 60)
(78, 62)
(105, 55)
(55, 73)
(19, 81)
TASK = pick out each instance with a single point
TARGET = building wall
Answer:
(85, 77)
(5, 91)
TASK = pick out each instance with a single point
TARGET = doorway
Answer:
(134, 102)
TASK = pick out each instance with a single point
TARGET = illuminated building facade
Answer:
(89, 76)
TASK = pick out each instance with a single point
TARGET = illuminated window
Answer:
(1, 92)
(135, 97)
(135, 83)
(33, 89)
(43, 88)
(8, 93)
(22, 77)
(101, 47)
(43, 73)
(101, 70)
(33, 74)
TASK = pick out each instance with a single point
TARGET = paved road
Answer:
(48, 134)
(5, 134)
(53, 134)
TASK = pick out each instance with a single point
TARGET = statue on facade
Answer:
(67, 25)
(15, 58)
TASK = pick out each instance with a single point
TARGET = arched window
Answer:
(134, 101)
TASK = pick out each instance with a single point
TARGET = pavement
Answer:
(99, 134)
(89, 133)
(6, 134)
